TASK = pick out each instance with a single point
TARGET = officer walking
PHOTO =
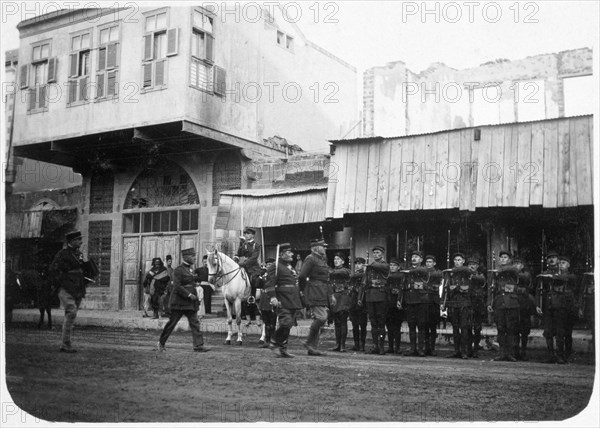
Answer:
(358, 313)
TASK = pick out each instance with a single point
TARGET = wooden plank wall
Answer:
(546, 163)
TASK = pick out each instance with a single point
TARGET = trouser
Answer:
(480, 314)
(43, 310)
(417, 317)
(207, 297)
(319, 316)
(176, 315)
(556, 324)
(340, 320)
(507, 324)
(393, 323)
(434, 319)
(377, 314)
(462, 324)
(146, 304)
(359, 319)
(71, 306)
(269, 319)
(286, 318)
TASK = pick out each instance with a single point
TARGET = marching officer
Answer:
(433, 290)
(415, 298)
(457, 298)
(480, 294)
(339, 278)
(284, 295)
(317, 292)
(526, 309)
(267, 314)
(504, 304)
(375, 292)
(358, 313)
(395, 313)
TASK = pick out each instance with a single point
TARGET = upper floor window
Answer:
(79, 67)
(204, 74)
(37, 74)
(107, 74)
(160, 42)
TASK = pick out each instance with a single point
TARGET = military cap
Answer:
(417, 252)
(473, 260)
(517, 260)
(73, 235)
(188, 252)
(340, 255)
(270, 260)
(430, 257)
(360, 260)
(249, 230)
(552, 254)
(169, 257)
(565, 258)
(458, 255)
(394, 260)
(378, 247)
(286, 246)
(505, 252)
(317, 242)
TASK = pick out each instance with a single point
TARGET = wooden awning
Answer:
(271, 207)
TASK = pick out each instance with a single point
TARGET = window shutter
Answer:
(220, 80)
(83, 89)
(72, 91)
(160, 73)
(24, 78)
(111, 83)
(193, 72)
(209, 47)
(42, 96)
(101, 58)
(52, 70)
(147, 75)
(172, 41)
(148, 47)
(111, 55)
(99, 85)
(73, 58)
(32, 95)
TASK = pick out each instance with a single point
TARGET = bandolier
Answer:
(433, 290)
(415, 298)
(457, 297)
(358, 313)
(395, 315)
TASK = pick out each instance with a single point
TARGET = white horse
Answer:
(225, 273)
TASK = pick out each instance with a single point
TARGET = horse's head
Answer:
(215, 265)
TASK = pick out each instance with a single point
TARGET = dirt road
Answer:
(117, 376)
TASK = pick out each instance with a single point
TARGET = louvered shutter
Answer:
(83, 89)
(147, 69)
(160, 73)
(42, 96)
(99, 85)
(209, 47)
(220, 81)
(73, 68)
(52, 63)
(24, 76)
(111, 55)
(72, 91)
(148, 47)
(172, 41)
(111, 83)
(101, 58)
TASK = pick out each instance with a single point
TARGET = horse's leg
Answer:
(238, 319)
(229, 322)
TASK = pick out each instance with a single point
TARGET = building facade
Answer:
(162, 109)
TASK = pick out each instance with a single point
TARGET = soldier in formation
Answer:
(340, 282)
(480, 294)
(433, 289)
(415, 298)
(395, 312)
(358, 312)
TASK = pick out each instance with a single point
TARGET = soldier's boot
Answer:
(502, 352)
(421, 343)
(464, 352)
(391, 339)
(551, 359)
(397, 343)
(363, 339)
(510, 348)
(432, 338)
(560, 351)
(338, 334)
(343, 337)
(311, 340)
(524, 348)
(413, 345)
(356, 337)
(375, 337)
(382, 343)
(456, 340)
(568, 347)
(155, 317)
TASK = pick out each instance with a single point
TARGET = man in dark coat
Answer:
(283, 294)
(358, 313)
(317, 292)
(247, 257)
(67, 270)
(395, 314)
(156, 281)
(433, 288)
(267, 314)
(479, 300)
(415, 300)
(184, 301)
(526, 309)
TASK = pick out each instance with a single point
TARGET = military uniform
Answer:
(526, 310)
(340, 282)
(587, 302)
(395, 315)
(415, 298)
(375, 291)
(562, 310)
(267, 314)
(457, 297)
(480, 295)
(358, 313)
(248, 254)
(282, 283)
(433, 292)
(505, 304)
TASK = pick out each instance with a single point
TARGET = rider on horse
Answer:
(247, 257)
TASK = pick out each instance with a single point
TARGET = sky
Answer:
(461, 34)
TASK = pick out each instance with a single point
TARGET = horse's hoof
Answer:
(228, 342)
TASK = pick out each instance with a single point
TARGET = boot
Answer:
(375, 337)
(155, 317)
(568, 347)
(560, 347)
(363, 339)
(502, 352)
(427, 342)
(510, 347)
(390, 349)
(523, 353)
(311, 340)
(397, 350)
(412, 352)
(551, 359)
(343, 336)
(338, 333)
(356, 337)
(432, 338)
(456, 354)
(382, 344)
(421, 343)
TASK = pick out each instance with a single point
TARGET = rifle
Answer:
(368, 248)
(444, 288)
(405, 245)
(492, 288)
(448, 252)
(543, 251)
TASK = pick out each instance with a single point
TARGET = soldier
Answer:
(283, 294)
(526, 309)
(267, 314)
(457, 297)
(358, 313)
(184, 302)
(504, 304)
(318, 294)
(433, 289)
(415, 300)
(587, 302)
(339, 278)
(479, 303)
(247, 257)
(542, 299)
(395, 314)
(375, 292)
(572, 296)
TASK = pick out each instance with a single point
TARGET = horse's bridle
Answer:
(219, 275)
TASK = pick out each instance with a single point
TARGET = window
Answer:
(107, 74)
(79, 68)
(201, 63)
(160, 43)
(161, 221)
(36, 76)
(227, 175)
(99, 245)
(101, 192)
